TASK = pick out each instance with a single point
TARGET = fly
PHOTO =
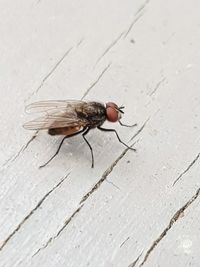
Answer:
(73, 117)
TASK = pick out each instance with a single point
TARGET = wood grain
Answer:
(134, 208)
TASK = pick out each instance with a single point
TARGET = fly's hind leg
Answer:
(59, 147)
(84, 134)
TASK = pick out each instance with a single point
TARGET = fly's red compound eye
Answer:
(112, 112)
(112, 105)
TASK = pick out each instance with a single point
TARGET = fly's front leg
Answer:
(126, 125)
(113, 130)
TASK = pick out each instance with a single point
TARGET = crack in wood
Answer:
(51, 239)
(80, 42)
(104, 176)
(179, 214)
(114, 185)
(50, 73)
(187, 169)
(139, 13)
(135, 261)
(95, 82)
(157, 86)
(32, 212)
(21, 151)
(132, 24)
(53, 69)
(109, 48)
(141, 129)
(142, 7)
(112, 166)
(124, 241)
(24, 147)
(106, 173)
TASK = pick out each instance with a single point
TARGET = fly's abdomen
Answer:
(64, 131)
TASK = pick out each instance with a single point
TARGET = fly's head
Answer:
(113, 112)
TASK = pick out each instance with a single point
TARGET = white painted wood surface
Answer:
(132, 209)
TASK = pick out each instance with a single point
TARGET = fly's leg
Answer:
(84, 134)
(113, 130)
(59, 147)
(126, 125)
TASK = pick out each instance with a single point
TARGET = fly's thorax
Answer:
(93, 113)
(94, 108)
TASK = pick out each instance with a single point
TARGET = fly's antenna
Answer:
(120, 109)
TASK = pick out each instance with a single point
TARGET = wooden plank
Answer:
(132, 209)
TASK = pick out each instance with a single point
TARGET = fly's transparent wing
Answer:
(52, 121)
(57, 114)
(53, 106)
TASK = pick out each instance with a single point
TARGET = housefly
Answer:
(73, 117)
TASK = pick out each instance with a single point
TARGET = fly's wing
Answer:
(57, 114)
(53, 105)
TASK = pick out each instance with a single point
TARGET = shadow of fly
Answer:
(73, 117)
